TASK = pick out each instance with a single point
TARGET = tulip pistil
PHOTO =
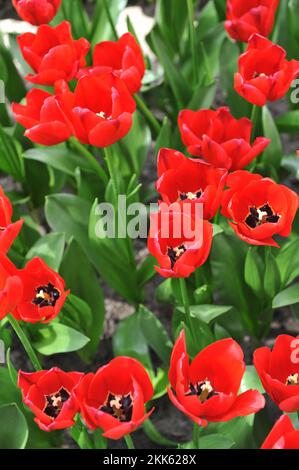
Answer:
(260, 216)
(55, 402)
(293, 379)
(203, 390)
(175, 253)
(119, 406)
(46, 296)
(190, 195)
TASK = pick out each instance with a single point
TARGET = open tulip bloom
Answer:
(206, 390)
(143, 159)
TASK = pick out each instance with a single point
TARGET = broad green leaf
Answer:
(207, 313)
(291, 164)
(272, 281)
(101, 29)
(251, 380)
(50, 248)
(215, 441)
(254, 271)
(289, 296)
(155, 334)
(11, 161)
(288, 122)
(81, 278)
(273, 153)
(13, 429)
(76, 313)
(146, 271)
(60, 158)
(288, 262)
(57, 338)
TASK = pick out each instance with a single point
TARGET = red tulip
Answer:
(113, 399)
(99, 112)
(123, 57)
(279, 371)
(259, 208)
(36, 292)
(187, 180)
(264, 73)
(43, 117)
(283, 435)
(219, 138)
(53, 54)
(8, 230)
(245, 18)
(37, 12)
(49, 395)
(180, 243)
(207, 389)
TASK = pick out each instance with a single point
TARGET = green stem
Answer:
(110, 165)
(185, 299)
(25, 342)
(110, 20)
(89, 156)
(192, 40)
(153, 122)
(254, 118)
(210, 80)
(129, 441)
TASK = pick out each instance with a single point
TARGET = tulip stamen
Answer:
(175, 253)
(55, 402)
(190, 195)
(261, 215)
(203, 390)
(293, 379)
(119, 406)
(46, 296)
(103, 115)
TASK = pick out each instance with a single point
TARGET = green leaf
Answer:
(129, 340)
(272, 281)
(146, 271)
(12, 371)
(273, 153)
(155, 436)
(289, 296)
(14, 430)
(251, 380)
(155, 334)
(76, 313)
(57, 338)
(254, 270)
(11, 161)
(50, 248)
(215, 441)
(81, 278)
(207, 313)
(164, 139)
(60, 158)
(288, 122)
(288, 262)
(291, 164)
(101, 29)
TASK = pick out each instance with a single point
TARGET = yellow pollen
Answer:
(292, 379)
(206, 389)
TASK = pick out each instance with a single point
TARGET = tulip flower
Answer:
(264, 73)
(49, 395)
(8, 230)
(258, 208)
(113, 399)
(283, 435)
(245, 18)
(279, 371)
(207, 389)
(187, 180)
(179, 242)
(53, 54)
(37, 12)
(124, 58)
(36, 292)
(219, 138)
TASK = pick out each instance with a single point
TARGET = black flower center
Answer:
(292, 379)
(190, 195)
(119, 406)
(55, 402)
(175, 253)
(203, 390)
(261, 215)
(46, 296)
